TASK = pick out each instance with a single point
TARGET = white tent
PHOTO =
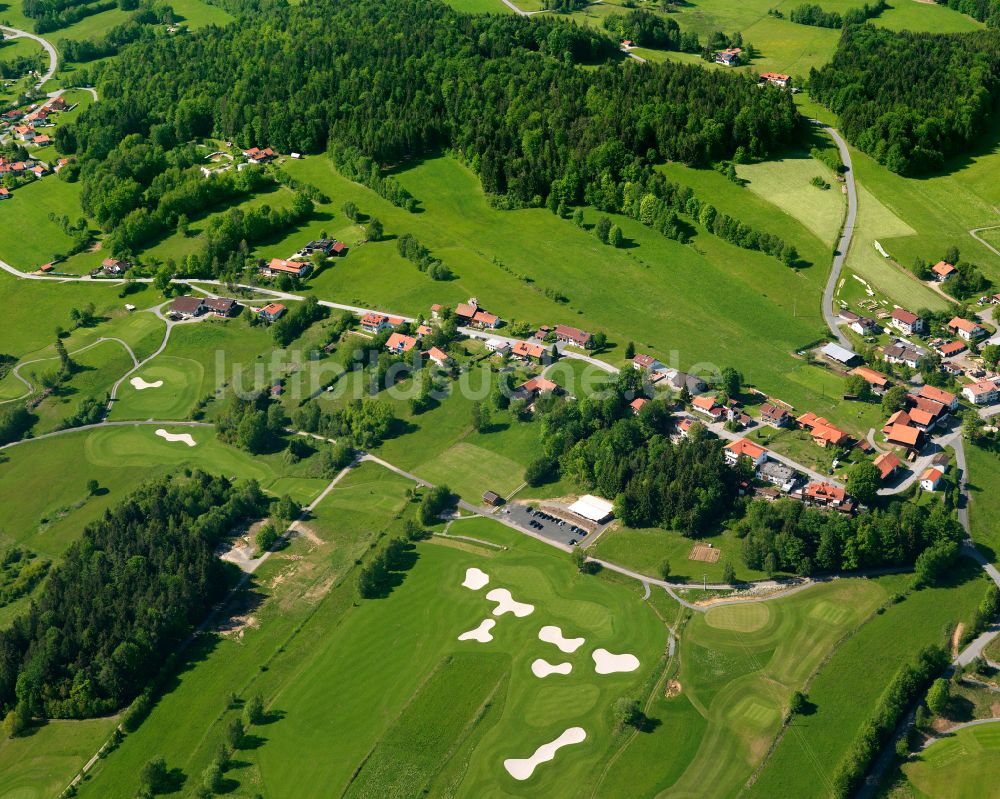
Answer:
(593, 508)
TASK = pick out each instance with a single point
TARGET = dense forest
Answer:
(126, 593)
(911, 99)
(603, 447)
(987, 11)
(505, 94)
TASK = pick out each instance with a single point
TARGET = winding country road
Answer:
(14, 33)
(844, 245)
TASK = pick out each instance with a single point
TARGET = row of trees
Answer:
(412, 250)
(788, 536)
(125, 594)
(362, 423)
(908, 118)
(647, 29)
(813, 14)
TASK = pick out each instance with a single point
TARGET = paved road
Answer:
(53, 56)
(845, 237)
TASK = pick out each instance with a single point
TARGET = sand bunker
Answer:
(551, 634)
(542, 668)
(481, 633)
(506, 604)
(475, 578)
(607, 663)
(185, 437)
(522, 769)
(139, 384)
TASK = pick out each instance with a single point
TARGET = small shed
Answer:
(492, 498)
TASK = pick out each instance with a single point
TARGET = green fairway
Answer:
(848, 686)
(738, 667)
(386, 684)
(963, 765)
(181, 378)
(54, 506)
(40, 765)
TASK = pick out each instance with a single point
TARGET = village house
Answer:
(485, 320)
(399, 343)
(907, 322)
(114, 266)
(826, 495)
(942, 271)
(946, 398)
(646, 363)
(707, 406)
(744, 447)
(878, 382)
(931, 479)
(60, 164)
(823, 433)
(424, 330)
(436, 310)
(271, 312)
(902, 353)
(58, 104)
(952, 348)
(775, 415)
(776, 79)
(899, 417)
(729, 57)
(937, 411)
(921, 419)
(678, 381)
(865, 326)
(187, 307)
(572, 335)
(531, 389)
(887, 464)
(527, 352)
(906, 436)
(374, 322)
(220, 306)
(636, 405)
(439, 356)
(779, 474)
(497, 346)
(465, 311)
(684, 427)
(984, 392)
(963, 328)
(4, 193)
(324, 246)
(255, 155)
(279, 266)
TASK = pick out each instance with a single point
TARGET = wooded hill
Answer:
(405, 78)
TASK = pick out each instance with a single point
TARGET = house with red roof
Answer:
(279, 266)
(943, 271)
(826, 495)
(776, 79)
(4, 193)
(527, 352)
(573, 335)
(533, 388)
(744, 447)
(887, 463)
(906, 436)
(878, 381)
(374, 322)
(935, 394)
(963, 328)
(773, 414)
(952, 348)
(907, 322)
(984, 392)
(271, 312)
(707, 406)
(646, 363)
(439, 356)
(485, 320)
(399, 343)
(931, 479)
(636, 405)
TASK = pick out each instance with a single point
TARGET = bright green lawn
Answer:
(848, 686)
(181, 379)
(984, 493)
(963, 765)
(40, 765)
(28, 209)
(644, 551)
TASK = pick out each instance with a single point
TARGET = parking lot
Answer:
(543, 524)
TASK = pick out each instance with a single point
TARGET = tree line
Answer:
(910, 100)
(126, 593)
(646, 29)
(813, 14)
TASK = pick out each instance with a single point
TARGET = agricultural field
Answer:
(965, 764)
(28, 209)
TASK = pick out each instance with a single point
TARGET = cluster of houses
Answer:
(292, 267)
(661, 376)
(256, 155)
(188, 307)
(926, 410)
(786, 481)
(25, 124)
